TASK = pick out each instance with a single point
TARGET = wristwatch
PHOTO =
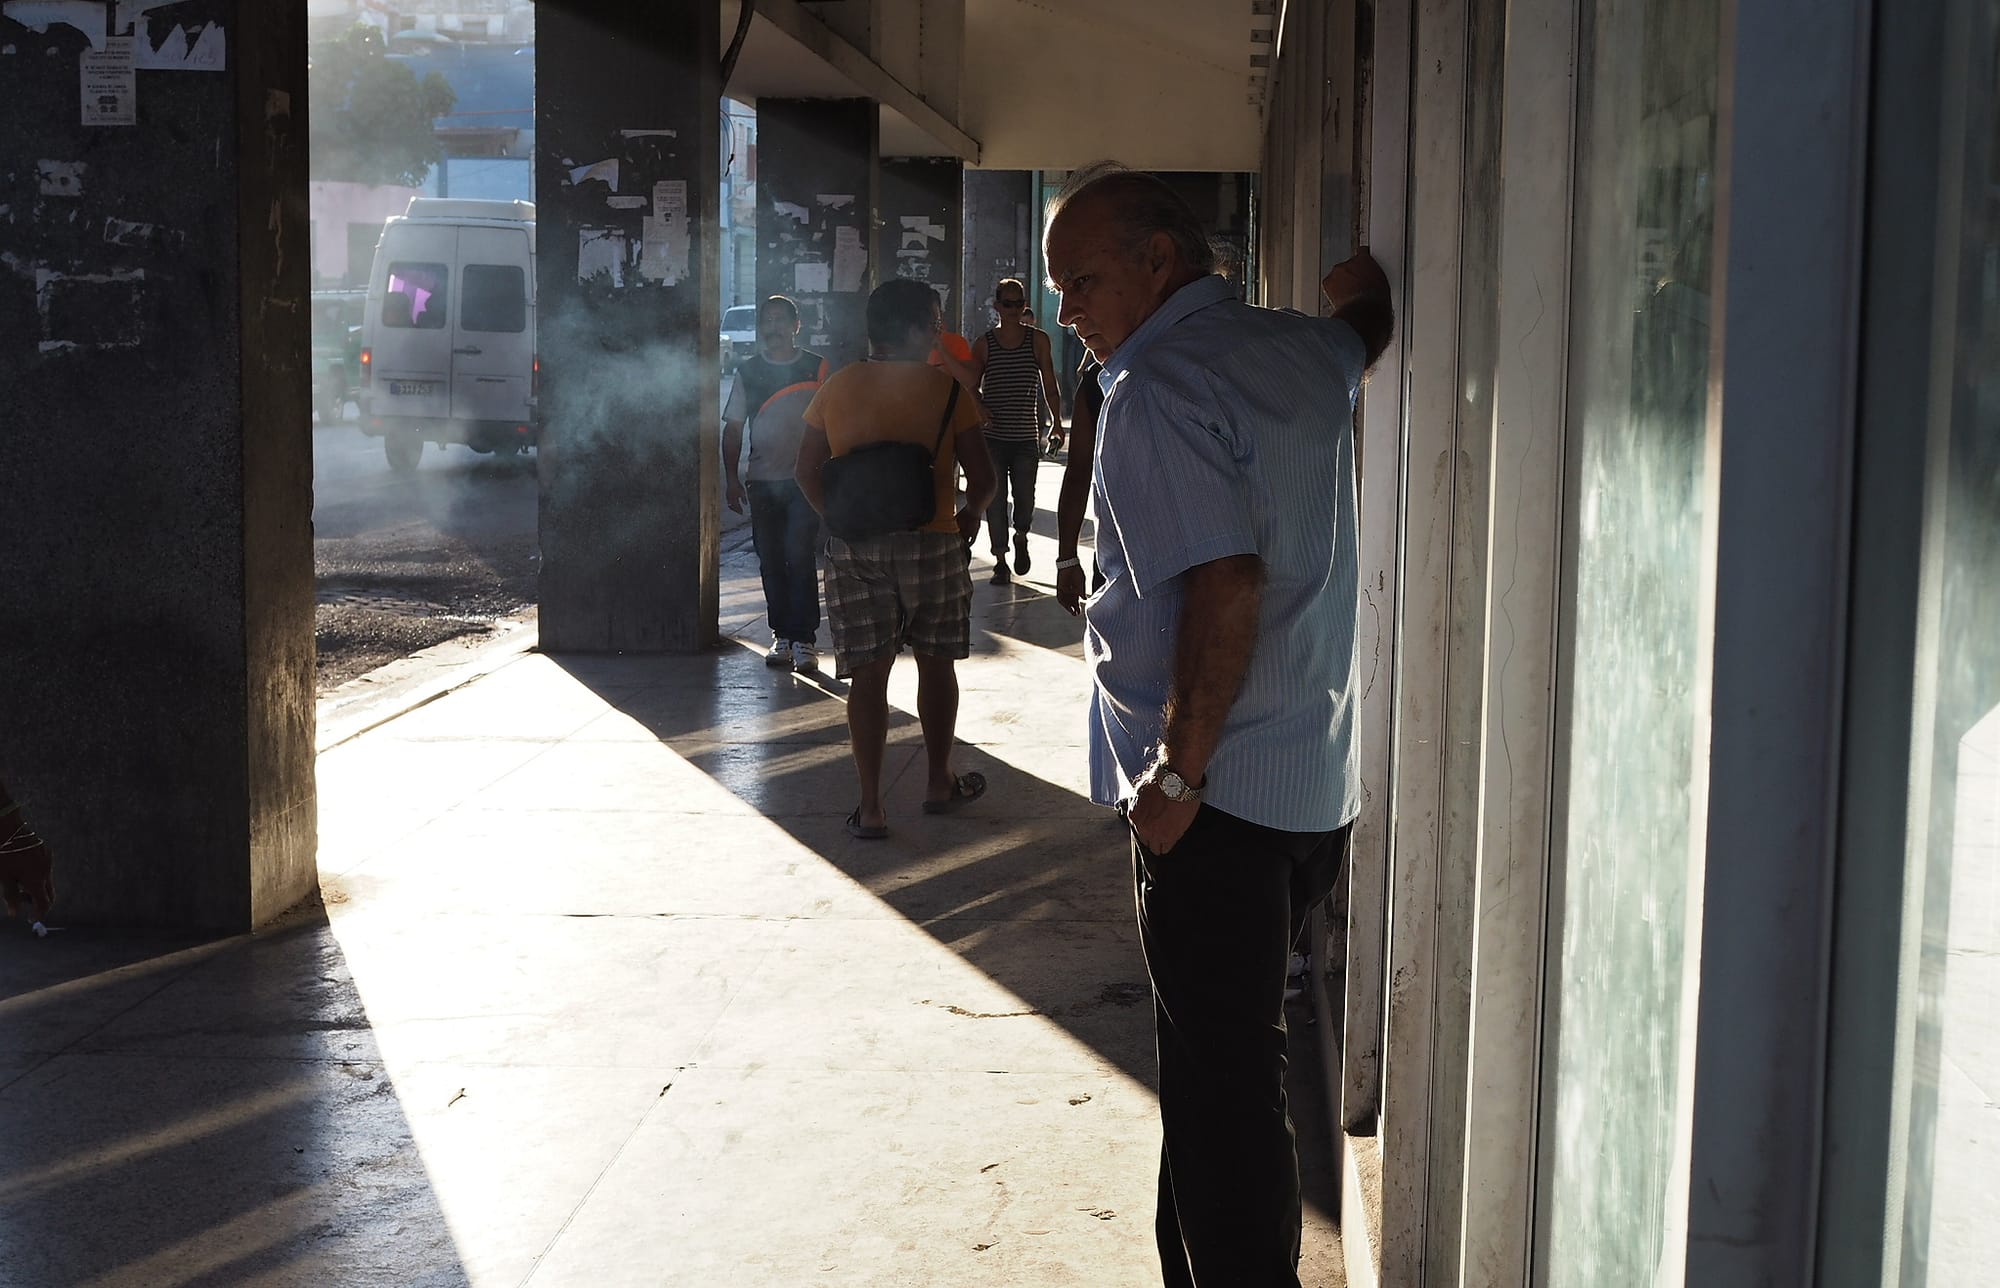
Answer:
(1177, 789)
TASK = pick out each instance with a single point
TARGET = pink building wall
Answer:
(336, 205)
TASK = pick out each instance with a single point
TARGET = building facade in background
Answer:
(485, 50)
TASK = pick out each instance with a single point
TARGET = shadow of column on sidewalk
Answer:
(187, 1111)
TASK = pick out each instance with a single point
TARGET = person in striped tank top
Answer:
(1017, 382)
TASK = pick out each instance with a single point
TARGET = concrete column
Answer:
(922, 211)
(999, 219)
(156, 614)
(816, 203)
(628, 170)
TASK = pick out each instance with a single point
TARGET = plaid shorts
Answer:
(903, 588)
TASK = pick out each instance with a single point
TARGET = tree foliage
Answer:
(371, 116)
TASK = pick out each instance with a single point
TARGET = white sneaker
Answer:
(780, 654)
(804, 657)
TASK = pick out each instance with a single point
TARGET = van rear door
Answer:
(493, 334)
(411, 332)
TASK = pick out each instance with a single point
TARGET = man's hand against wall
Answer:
(1158, 822)
(1069, 589)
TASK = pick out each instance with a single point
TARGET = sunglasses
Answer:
(1010, 304)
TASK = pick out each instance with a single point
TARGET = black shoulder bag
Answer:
(881, 488)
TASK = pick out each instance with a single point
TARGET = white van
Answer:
(448, 343)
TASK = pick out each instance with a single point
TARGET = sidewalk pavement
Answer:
(602, 993)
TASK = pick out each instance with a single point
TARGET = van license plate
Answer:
(418, 388)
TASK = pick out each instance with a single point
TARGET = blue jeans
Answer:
(1015, 460)
(785, 529)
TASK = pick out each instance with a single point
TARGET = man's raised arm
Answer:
(1359, 291)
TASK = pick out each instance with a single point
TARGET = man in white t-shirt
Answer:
(771, 393)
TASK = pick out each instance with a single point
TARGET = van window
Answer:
(415, 296)
(493, 297)
(741, 318)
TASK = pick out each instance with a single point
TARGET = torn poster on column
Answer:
(128, 12)
(205, 51)
(811, 279)
(663, 253)
(605, 171)
(850, 258)
(600, 250)
(918, 234)
(87, 16)
(110, 87)
(836, 200)
(791, 211)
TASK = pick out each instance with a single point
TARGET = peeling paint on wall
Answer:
(142, 236)
(89, 310)
(60, 178)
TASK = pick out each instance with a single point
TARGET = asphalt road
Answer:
(406, 561)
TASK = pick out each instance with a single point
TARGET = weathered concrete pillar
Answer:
(999, 240)
(816, 203)
(156, 612)
(627, 174)
(922, 211)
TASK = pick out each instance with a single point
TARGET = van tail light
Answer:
(535, 378)
(367, 365)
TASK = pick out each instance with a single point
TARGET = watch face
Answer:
(1172, 785)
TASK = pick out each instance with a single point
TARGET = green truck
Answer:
(336, 351)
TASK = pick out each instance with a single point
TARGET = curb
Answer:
(370, 701)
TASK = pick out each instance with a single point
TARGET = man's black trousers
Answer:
(1218, 918)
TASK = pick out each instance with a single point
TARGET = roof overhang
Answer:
(789, 53)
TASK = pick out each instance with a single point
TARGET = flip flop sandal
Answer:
(964, 788)
(863, 832)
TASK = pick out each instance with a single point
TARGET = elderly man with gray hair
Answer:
(1222, 658)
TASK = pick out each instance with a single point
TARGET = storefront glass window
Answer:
(1950, 1082)
(1634, 670)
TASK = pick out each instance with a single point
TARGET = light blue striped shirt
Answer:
(1228, 430)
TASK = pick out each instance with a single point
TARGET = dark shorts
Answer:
(904, 588)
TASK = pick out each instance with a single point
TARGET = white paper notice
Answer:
(836, 200)
(850, 260)
(110, 85)
(663, 255)
(811, 279)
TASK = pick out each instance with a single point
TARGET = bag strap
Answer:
(950, 406)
